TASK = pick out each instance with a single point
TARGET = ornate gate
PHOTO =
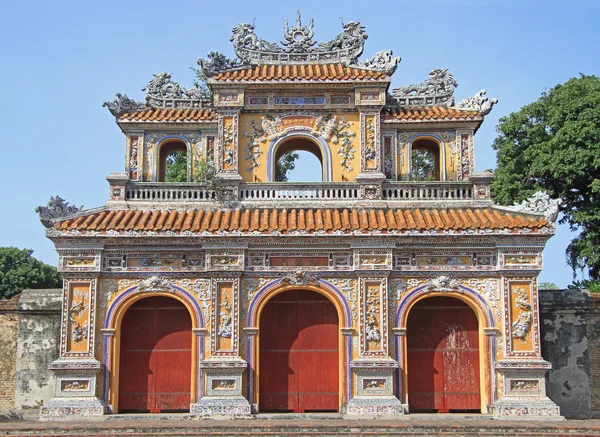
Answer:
(443, 356)
(299, 353)
(156, 356)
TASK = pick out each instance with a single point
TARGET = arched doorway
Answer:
(443, 356)
(155, 362)
(314, 148)
(299, 353)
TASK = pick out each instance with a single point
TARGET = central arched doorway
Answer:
(443, 356)
(155, 362)
(299, 353)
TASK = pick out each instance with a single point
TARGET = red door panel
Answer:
(443, 356)
(299, 353)
(156, 356)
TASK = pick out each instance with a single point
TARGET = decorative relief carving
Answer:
(373, 316)
(132, 162)
(228, 142)
(522, 324)
(301, 277)
(253, 150)
(454, 260)
(153, 284)
(438, 89)
(348, 288)
(524, 385)
(74, 385)
(225, 317)
(373, 384)
(201, 287)
(520, 259)
(370, 141)
(79, 261)
(443, 284)
(490, 290)
(78, 318)
(56, 208)
(223, 384)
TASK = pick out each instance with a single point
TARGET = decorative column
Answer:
(227, 155)
(223, 370)
(373, 371)
(76, 369)
(371, 175)
(522, 371)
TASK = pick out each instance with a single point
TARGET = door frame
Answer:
(344, 335)
(112, 341)
(487, 345)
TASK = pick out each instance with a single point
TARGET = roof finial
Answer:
(342, 20)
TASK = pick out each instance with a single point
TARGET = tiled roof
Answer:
(428, 113)
(314, 72)
(175, 115)
(309, 220)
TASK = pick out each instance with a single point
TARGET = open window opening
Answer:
(298, 160)
(173, 165)
(425, 161)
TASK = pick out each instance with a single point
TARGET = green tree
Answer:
(176, 167)
(548, 286)
(423, 165)
(553, 144)
(285, 164)
(19, 270)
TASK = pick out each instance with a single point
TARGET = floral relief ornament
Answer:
(372, 314)
(154, 284)
(522, 325)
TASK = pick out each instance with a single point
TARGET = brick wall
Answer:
(9, 323)
(570, 329)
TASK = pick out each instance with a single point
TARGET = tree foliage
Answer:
(285, 164)
(176, 167)
(19, 270)
(554, 144)
(423, 165)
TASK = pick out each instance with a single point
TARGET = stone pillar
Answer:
(522, 371)
(222, 372)
(373, 371)
(76, 369)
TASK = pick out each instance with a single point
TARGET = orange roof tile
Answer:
(173, 115)
(420, 113)
(306, 220)
(335, 72)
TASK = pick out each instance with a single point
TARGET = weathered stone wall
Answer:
(37, 347)
(570, 327)
(9, 322)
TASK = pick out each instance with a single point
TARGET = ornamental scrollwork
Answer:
(539, 203)
(478, 103)
(78, 309)
(438, 89)
(343, 136)
(56, 208)
(122, 105)
(370, 150)
(300, 277)
(215, 63)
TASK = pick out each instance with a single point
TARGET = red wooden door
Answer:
(156, 356)
(299, 355)
(443, 356)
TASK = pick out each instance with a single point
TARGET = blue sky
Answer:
(61, 60)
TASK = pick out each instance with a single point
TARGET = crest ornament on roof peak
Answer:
(56, 208)
(539, 203)
(478, 103)
(299, 37)
(438, 89)
(162, 92)
(123, 104)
